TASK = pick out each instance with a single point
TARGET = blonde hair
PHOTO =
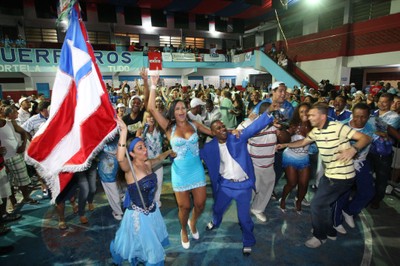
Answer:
(146, 115)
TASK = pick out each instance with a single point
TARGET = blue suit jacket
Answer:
(237, 148)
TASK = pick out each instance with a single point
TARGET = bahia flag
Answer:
(81, 117)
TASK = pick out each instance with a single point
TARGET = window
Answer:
(202, 22)
(221, 24)
(369, 9)
(293, 29)
(106, 13)
(249, 42)
(158, 18)
(194, 42)
(41, 35)
(99, 37)
(133, 38)
(270, 36)
(13, 8)
(181, 20)
(46, 8)
(175, 41)
(11, 32)
(331, 19)
(133, 15)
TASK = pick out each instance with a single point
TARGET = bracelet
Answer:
(153, 87)
(121, 145)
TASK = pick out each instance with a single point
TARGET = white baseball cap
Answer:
(276, 84)
(196, 102)
(22, 99)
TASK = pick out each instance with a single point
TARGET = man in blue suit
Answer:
(232, 174)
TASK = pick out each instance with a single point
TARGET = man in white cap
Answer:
(196, 109)
(285, 112)
(23, 112)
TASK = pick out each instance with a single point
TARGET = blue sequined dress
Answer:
(187, 171)
(142, 234)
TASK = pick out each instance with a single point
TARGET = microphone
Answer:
(145, 130)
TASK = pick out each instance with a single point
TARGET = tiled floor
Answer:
(280, 241)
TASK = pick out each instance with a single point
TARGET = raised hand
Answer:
(154, 79)
(121, 124)
(143, 73)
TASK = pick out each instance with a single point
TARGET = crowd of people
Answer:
(8, 42)
(248, 140)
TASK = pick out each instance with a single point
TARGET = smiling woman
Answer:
(188, 177)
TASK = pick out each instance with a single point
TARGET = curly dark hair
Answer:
(296, 115)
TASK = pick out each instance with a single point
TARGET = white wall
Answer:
(394, 7)
(310, 24)
(381, 59)
(322, 69)
(337, 70)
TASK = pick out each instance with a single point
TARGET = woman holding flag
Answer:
(142, 234)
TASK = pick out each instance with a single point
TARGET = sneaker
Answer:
(333, 238)
(389, 189)
(349, 219)
(259, 215)
(246, 251)
(305, 202)
(340, 229)
(210, 226)
(10, 217)
(314, 242)
(273, 196)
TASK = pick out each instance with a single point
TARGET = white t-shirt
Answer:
(196, 118)
(9, 140)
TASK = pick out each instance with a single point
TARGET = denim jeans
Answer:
(329, 190)
(87, 187)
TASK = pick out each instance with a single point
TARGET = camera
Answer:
(281, 119)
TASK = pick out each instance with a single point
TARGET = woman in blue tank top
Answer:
(187, 172)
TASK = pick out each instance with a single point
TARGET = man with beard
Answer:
(333, 142)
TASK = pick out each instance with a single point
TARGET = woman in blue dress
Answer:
(142, 234)
(296, 160)
(187, 171)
